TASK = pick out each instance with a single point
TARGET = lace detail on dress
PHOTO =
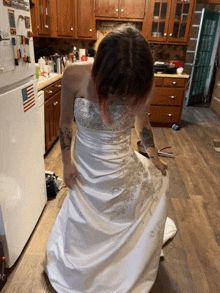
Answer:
(88, 115)
(133, 194)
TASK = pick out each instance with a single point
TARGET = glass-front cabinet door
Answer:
(44, 13)
(180, 20)
(159, 20)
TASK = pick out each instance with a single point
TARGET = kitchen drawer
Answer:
(158, 81)
(174, 82)
(57, 86)
(48, 92)
(164, 114)
(168, 96)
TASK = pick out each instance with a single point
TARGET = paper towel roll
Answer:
(81, 53)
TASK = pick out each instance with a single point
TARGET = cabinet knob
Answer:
(90, 30)
(58, 85)
(55, 103)
(46, 26)
(122, 10)
(170, 115)
(116, 10)
(149, 114)
(171, 34)
(71, 29)
(49, 92)
(172, 97)
(165, 34)
(174, 82)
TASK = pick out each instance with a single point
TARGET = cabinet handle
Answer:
(172, 97)
(174, 82)
(55, 103)
(71, 29)
(170, 115)
(165, 34)
(116, 10)
(46, 26)
(49, 92)
(90, 30)
(58, 85)
(171, 35)
(122, 10)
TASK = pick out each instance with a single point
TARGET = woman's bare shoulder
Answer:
(74, 75)
(78, 70)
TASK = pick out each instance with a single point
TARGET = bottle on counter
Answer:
(51, 64)
(42, 64)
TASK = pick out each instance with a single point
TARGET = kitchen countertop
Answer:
(47, 82)
(171, 75)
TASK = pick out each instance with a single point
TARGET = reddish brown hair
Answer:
(123, 66)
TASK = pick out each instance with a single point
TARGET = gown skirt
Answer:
(109, 233)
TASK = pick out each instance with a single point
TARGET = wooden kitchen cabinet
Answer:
(169, 21)
(41, 17)
(85, 19)
(65, 18)
(52, 95)
(107, 8)
(120, 9)
(167, 104)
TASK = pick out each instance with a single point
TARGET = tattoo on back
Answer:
(146, 136)
(65, 138)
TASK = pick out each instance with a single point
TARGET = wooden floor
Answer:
(192, 258)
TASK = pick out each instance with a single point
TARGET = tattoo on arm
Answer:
(65, 138)
(146, 136)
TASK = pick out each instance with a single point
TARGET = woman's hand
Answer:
(69, 172)
(160, 165)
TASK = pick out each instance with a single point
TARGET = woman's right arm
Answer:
(70, 82)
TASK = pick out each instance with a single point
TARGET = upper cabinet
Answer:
(169, 21)
(180, 21)
(85, 19)
(132, 9)
(41, 17)
(65, 18)
(120, 9)
(107, 8)
(158, 21)
(44, 13)
(164, 21)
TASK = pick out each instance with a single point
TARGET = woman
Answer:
(109, 232)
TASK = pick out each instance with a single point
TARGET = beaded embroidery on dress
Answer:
(109, 233)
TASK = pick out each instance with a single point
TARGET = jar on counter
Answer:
(51, 64)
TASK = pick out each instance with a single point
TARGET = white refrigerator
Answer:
(22, 174)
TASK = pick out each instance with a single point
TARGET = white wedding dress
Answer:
(109, 233)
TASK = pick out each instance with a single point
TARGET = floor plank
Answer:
(200, 244)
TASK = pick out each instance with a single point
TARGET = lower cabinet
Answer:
(167, 104)
(52, 116)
